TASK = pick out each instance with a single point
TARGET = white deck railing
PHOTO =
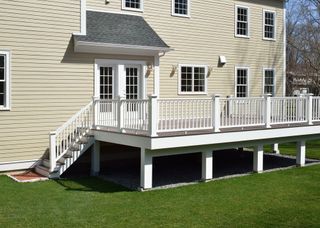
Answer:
(66, 136)
(155, 116)
(184, 114)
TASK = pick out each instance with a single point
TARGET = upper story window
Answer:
(192, 79)
(4, 80)
(269, 81)
(181, 8)
(242, 82)
(269, 25)
(242, 21)
(135, 5)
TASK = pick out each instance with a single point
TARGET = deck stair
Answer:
(68, 143)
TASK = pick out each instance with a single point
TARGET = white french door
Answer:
(132, 82)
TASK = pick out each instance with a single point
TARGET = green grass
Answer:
(289, 198)
(313, 149)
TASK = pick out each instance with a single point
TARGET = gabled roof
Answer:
(119, 30)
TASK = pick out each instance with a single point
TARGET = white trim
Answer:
(18, 165)
(83, 19)
(156, 79)
(125, 12)
(123, 6)
(284, 50)
(235, 79)
(109, 48)
(205, 79)
(274, 80)
(119, 66)
(236, 20)
(188, 15)
(7, 76)
(264, 11)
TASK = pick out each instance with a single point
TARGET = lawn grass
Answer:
(313, 149)
(289, 198)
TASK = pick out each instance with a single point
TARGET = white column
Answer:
(216, 113)
(153, 115)
(267, 110)
(145, 169)
(275, 148)
(258, 159)
(156, 76)
(52, 150)
(309, 108)
(301, 153)
(95, 159)
(207, 165)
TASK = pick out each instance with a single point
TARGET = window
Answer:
(242, 81)
(192, 79)
(269, 81)
(269, 21)
(4, 80)
(106, 82)
(242, 21)
(135, 5)
(181, 8)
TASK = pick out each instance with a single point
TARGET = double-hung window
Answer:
(192, 79)
(135, 5)
(181, 8)
(4, 80)
(242, 21)
(242, 82)
(269, 25)
(269, 81)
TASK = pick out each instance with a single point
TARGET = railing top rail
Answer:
(242, 98)
(288, 98)
(60, 129)
(184, 99)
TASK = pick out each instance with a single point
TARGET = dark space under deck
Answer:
(121, 164)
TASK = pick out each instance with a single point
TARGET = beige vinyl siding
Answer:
(208, 34)
(50, 82)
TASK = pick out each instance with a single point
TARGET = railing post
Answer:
(309, 108)
(120, 113)
(216, 113)
(95, 112)
(267, 110)
(52, 150)
(229, 105)
(153, 115)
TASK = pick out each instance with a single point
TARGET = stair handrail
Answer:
(59, 147)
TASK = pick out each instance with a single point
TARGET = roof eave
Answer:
(122, 49)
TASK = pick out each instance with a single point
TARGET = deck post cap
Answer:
(152, 96)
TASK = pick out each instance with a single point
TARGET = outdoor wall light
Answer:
(210, 69)
(173, 70)
(222, 60)
(149, 69)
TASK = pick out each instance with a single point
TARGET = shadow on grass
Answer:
(90, 184)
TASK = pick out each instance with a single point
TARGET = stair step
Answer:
(46, 163)
(44, 171)
(67, 155)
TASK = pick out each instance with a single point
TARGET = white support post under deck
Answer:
(95, 159)
(275, 148)
(207, 165)
(258, 159)
(301, 153)
(145, 169)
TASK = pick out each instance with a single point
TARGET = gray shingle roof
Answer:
(120, 29)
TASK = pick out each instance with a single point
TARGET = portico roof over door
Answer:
(111, 33)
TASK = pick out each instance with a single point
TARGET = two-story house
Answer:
(56, 55)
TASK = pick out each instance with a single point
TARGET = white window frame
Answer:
(132, 9)
(7, 76)
(188, 15)
(236, 21)
(274, 80)
(264, 24)
(205, 80)
(236, 80)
